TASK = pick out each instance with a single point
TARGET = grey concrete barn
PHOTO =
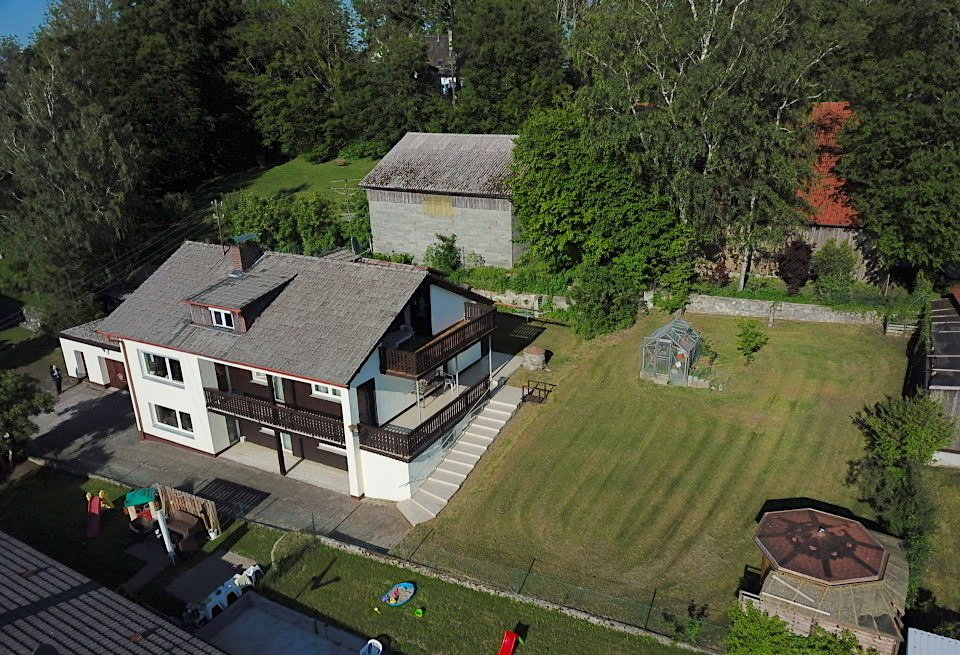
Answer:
(431, 184)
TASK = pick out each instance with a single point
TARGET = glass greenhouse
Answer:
(670, 351)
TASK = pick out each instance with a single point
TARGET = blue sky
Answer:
(21, 18)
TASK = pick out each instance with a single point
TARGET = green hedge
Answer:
(522, 279)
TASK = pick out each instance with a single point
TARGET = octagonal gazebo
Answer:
(669, 352)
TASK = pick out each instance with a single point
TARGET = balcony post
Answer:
(279, 443)
(351, 438)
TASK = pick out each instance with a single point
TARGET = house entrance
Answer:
(117, 374)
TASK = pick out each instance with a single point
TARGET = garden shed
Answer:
(670, 351)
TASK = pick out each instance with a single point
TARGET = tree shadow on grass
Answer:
(781, 504)
(927, 614)
(15, 355)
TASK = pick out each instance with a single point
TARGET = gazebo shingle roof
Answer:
(458, 164)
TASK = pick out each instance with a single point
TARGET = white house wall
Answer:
(384, 477)
(394, 394)
(446, 308)
(187, 398)
(96, 368)
(469, 356)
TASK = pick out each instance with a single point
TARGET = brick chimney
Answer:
(245, 251)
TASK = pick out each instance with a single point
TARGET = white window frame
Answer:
(178, 429)
(168, 378)
(258, 377)
(222, 315)
(321, 390)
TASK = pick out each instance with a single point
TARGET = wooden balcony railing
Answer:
(407, 446)
(479, 321)
(324, 427)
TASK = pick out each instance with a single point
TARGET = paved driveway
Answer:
(93, 431)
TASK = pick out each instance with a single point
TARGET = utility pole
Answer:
(217, 213)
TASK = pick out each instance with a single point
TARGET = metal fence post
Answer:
(650, 609)
(313, 522)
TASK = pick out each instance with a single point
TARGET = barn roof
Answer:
(831, 206)
(456, 164)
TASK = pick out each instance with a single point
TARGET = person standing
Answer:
(57, 378)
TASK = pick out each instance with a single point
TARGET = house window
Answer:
(172, 420)
(438, 205)
(166, 368)
(258, 376)
(222, 318)
(326, 390)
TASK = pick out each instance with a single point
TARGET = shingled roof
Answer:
(322, 325)
(44, 602)
(457, 164)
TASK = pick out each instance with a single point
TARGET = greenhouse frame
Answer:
(670, 351)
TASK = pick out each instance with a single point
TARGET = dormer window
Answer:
(222, 318)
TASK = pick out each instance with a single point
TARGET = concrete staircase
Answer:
(439, 488)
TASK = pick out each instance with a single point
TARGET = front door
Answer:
(367, 402)
(117, 374)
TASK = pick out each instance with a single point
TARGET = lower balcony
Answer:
(323, 427)
(406, 444)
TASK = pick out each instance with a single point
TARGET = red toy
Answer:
(93, 516)
(510, 642)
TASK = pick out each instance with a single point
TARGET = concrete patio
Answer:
(265, 459)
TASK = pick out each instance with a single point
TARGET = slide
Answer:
(510, 642)
(93, 516)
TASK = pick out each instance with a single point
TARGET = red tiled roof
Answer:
(831, 206)
(825, 548)
(955, 292)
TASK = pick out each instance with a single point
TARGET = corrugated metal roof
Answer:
(322, 325)
(927, 643)
(460, 164)
(44, 602)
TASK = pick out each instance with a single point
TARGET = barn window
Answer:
(438, 205)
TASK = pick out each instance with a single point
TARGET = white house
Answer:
(323, 360)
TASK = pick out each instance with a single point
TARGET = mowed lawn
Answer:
(943, 572)
(301, 176)
(619, 484)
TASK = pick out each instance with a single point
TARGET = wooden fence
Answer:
(174, 499)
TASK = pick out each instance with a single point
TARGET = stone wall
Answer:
(784, 311)
(531, 301)
(400, 222)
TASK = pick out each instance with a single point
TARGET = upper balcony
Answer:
(323, 427)
(413, 361)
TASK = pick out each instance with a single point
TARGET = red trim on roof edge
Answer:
(225, 361)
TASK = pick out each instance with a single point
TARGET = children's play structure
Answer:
(203, 611)
(95, 506)
(372, 647)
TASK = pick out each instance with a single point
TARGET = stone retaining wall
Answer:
(531, 301)
(770, 310)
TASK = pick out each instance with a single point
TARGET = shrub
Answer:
(833, 268)
(395, 257)
(753, 632)
(602, 302)
(793, 265)
(750, 339)
(444, 255)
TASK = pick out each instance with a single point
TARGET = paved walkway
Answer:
(93, 431)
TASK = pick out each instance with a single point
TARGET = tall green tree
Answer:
(73, 172)
(20, 399)
(290, 59)
(716, 94)
(158, 67)
(511, 62)
(580, 200)
(902, 157)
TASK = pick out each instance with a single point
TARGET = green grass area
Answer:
(48, 510)
(943, 572)
(31, 353)
(345, 589)
(619, 486)
(300, 176)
